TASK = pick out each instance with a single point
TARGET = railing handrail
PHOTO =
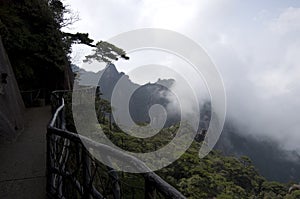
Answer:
(163, 187)
(52, 122)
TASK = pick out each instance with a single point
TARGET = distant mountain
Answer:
(142, 99)
(270, 160)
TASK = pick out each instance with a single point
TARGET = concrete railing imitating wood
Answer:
(72, 170)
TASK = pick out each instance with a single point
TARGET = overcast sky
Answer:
(255, 45)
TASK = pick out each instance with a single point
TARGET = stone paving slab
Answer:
(23, 162)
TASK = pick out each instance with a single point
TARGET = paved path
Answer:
(23, 163)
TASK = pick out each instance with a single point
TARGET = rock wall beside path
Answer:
(11, 104)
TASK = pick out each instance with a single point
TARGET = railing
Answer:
(35, 97)
(73, 173)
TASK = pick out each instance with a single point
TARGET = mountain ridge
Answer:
(232, 141)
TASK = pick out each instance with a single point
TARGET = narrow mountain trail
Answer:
(23, 162)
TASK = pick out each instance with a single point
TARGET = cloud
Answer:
(288, 21)
(254, 44)
(263, 79)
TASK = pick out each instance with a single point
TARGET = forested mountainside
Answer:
(38, 50)
(141, 100)
(215, 176)
(271, 161)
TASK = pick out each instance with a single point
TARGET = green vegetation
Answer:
(106, 52)
(213, 176)
(38, 51)
(37, 48)
(33, 40)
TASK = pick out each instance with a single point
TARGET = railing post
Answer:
(57, 171)
(113, 175)
(48, 164)
(86, 167)
(110, 120)
(150, 191)
(115, 183)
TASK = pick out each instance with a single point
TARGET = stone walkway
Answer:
(23, 163)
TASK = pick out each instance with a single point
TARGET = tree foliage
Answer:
(106, 52)
(62, 14)
(33, 42)
(215, 176)
(37, 48)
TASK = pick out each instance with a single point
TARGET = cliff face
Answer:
(11, 103)
(142, 99)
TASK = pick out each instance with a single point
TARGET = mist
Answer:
(261, 75)
(255, 45)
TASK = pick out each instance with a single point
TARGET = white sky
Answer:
(255, 45)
